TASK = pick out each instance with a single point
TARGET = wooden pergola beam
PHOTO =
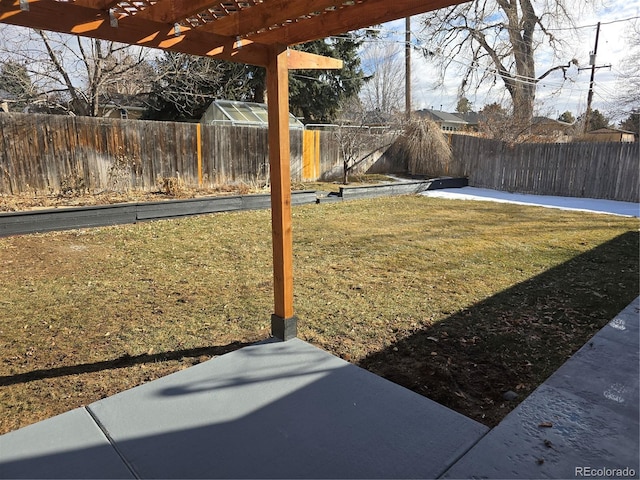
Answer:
(84, 21)
(268, 14)
(75, 19)
(96, 4)
(171, 11)
(348, 18)
(299, 60)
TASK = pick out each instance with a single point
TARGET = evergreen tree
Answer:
(464, 105)
(315, 95)
(16, 83)
(597, 120)
(567, 117)
(631, 123)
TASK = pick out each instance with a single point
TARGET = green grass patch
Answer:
(459, 301)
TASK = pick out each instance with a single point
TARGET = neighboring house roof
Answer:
(442, 117)
(129, 102)
(550, 121)
(609, 134)
(545, 126)
(472, 118)
(540, 119)
(376, 117)
(608, 130)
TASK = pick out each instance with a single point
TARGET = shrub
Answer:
(173, 186)
(425, 147)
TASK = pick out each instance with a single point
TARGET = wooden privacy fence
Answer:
(54, 154)
(47, 153)
(590, 170)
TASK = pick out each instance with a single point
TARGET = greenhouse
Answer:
(228, 112)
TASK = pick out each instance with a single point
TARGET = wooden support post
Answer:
(283, 321)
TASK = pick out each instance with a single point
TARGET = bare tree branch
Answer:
(55, 61)
(628, 91)
(74, 72)
(383, 92)
(498, 39)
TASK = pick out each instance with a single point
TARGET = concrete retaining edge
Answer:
(404, 188)
(38, 221)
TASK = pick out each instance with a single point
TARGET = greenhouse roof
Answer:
(241, 113)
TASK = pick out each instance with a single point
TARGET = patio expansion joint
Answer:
(462, 454)
(113, 444)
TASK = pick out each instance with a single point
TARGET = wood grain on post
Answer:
(278, 114)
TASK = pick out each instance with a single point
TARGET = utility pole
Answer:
(592, 61)
(407, 67)
(593, 67)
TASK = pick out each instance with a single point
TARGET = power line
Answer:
(556, 29)
(580, 27)
(461, 59)
(488, 70)
(474, 65)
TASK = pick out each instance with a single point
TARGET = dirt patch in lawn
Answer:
(459, 301)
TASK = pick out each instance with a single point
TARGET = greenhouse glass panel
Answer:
(242, 113)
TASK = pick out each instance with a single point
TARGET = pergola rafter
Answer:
(257, 32)
(351, 15)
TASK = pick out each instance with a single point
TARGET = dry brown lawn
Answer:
(459, 301)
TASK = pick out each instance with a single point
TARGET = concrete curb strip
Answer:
(404, 188)
(20, 223)
(38, 221)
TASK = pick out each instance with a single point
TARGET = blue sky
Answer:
(553, 95)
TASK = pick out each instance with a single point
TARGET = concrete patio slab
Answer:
(290, 410)
(271, 410)
(585, 416)
(600, 373)
(283, 410)
(70, 445)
